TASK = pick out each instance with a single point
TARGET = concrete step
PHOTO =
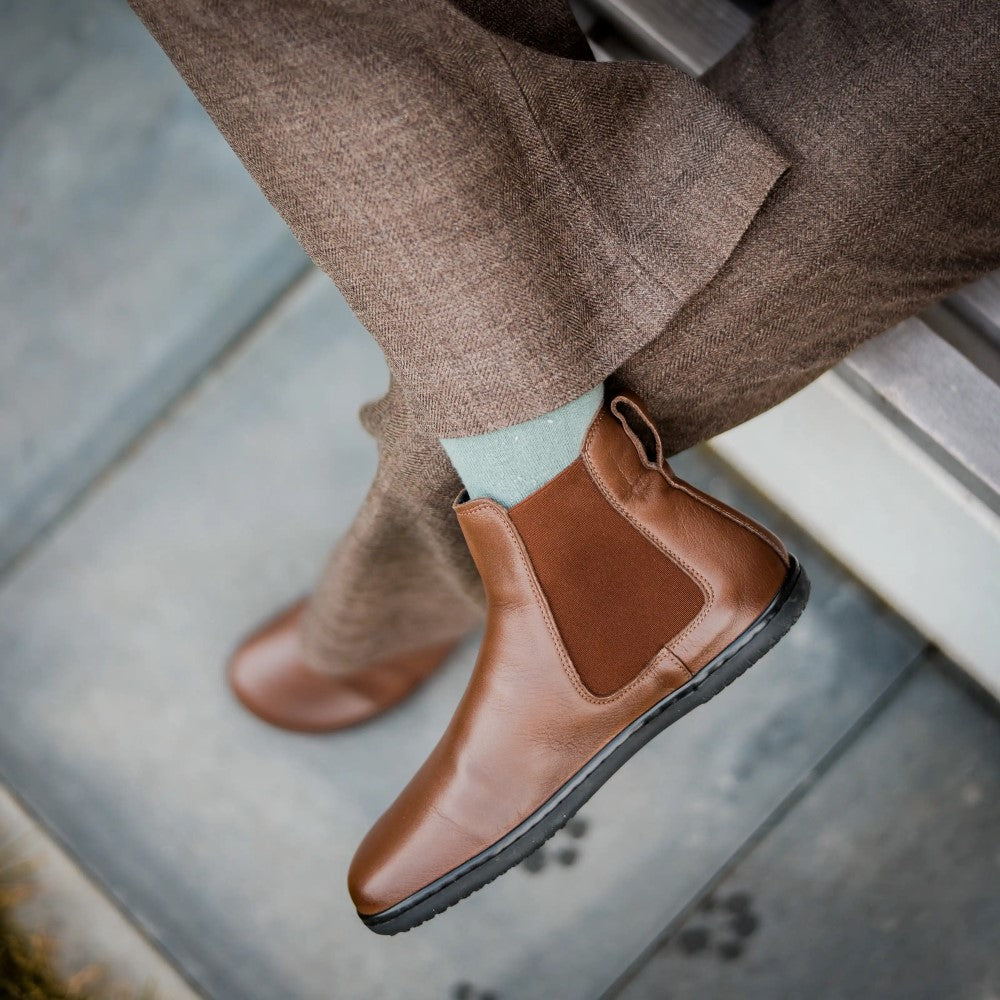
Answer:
(92, 944)
(882, 882)
(873, 498)
(938, 397)
(227, 841)
(693, 35)
(135, 249)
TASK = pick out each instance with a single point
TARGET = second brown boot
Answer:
(619, 598)
(269, 674)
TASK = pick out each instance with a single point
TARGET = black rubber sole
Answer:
(733, 661)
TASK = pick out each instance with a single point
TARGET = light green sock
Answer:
(513, 462)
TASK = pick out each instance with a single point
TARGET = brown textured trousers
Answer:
(515, 222)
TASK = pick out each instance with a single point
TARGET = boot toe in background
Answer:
(268, 673)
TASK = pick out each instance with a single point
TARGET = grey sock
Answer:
(513, 462)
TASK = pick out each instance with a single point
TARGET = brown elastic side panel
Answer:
(615, 597)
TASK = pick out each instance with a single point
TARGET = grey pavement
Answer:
(884, 881)
(135, 247)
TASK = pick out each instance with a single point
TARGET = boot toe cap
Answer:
(401, 855)
(268, 673)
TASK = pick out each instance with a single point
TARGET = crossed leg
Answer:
(541, 222)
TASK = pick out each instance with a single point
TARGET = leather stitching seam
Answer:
(668, 654)
(747, 525)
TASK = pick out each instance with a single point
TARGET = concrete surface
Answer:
(135, 248)
(147, 279)
(884, 881)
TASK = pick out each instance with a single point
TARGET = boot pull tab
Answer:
(638, 426)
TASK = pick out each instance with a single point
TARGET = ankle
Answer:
(509, 464)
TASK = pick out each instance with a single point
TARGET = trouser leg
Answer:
(509, 221)
(401, 579)
(890, 116)
(452, 166)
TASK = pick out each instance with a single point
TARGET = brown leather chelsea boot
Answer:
(269, 675)
(619, 598)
